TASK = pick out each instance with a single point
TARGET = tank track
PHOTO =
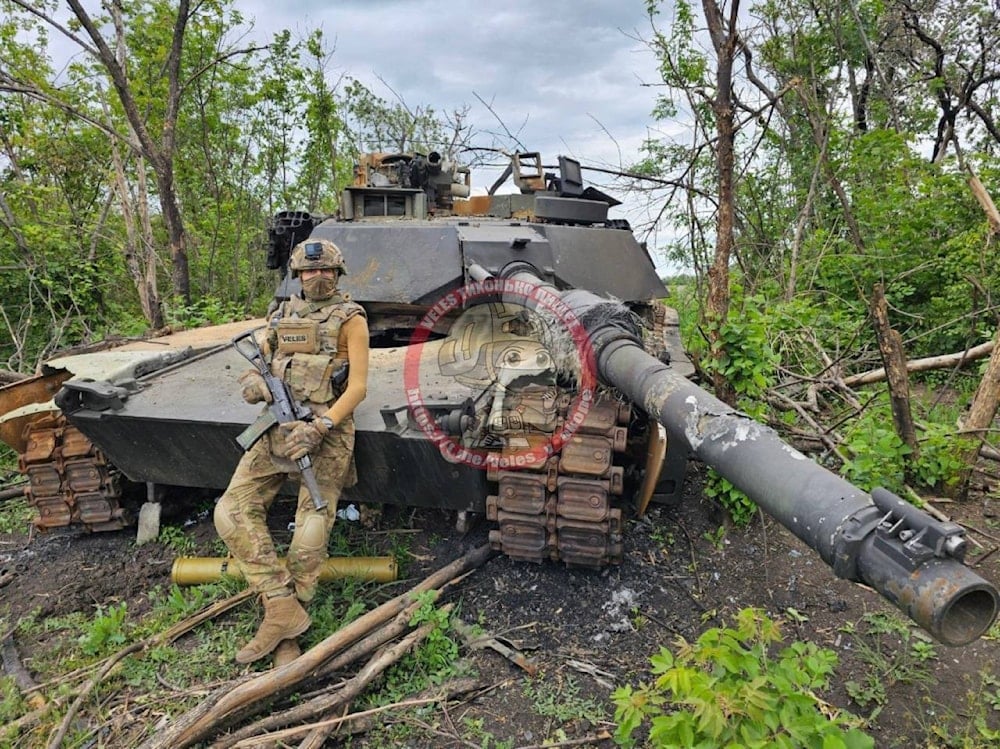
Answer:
(563, 510)
(69, 479)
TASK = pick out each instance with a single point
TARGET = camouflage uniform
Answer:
(241, 513)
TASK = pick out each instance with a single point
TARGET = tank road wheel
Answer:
(69, 479)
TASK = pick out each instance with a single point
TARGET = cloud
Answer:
(565, 76)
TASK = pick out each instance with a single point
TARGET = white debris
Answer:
(349, 513)
(619, 609)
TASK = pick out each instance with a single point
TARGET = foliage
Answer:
(740, 507)
(177, 540)
(878, 457)
(207, 310)
(729, 690)
(940, 463)
(258, 129)
(892, 652)
(106, 632)
(15, 515)
(438, 652)
(748, 364)
(559, 700)
(432, 662)
(876, 454)
(11, 702)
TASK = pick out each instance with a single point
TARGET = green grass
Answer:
(973, 726)
(893, 653)
(15, 515)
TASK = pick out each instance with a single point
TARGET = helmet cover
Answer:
(316, 254)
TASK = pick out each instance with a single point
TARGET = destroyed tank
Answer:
(524, 367)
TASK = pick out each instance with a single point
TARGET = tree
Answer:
(142, 58)
(714, 94)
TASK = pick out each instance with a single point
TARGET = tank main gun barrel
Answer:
(911, 559)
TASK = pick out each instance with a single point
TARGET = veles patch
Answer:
(480, 344)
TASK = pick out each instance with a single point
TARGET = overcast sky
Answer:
(558, 72)
(565, 76)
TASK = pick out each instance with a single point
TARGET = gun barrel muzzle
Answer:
(942, 595)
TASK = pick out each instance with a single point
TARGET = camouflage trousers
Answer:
(241, 513)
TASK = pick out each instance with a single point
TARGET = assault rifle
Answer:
(282, 410)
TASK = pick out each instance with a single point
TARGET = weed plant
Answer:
(560, 701)
(972, 727)
(892, 652)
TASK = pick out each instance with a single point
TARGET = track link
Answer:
(69, 480)
(563, 511)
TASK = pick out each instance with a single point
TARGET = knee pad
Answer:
(225, 526)
(311, 536)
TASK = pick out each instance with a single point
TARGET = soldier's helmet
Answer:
(316, 254)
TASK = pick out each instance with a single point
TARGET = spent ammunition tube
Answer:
(199, 570)
(884, 547)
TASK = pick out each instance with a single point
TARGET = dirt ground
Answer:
(588, 631)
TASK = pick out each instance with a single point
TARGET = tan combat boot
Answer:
(286, 652)
(284, 618)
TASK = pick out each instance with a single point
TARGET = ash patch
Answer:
(617, 611)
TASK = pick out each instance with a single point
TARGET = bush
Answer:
(731, 692)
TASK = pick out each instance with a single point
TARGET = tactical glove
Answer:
(301, 438)
(254, 388)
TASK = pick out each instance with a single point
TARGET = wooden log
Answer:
(330, 703)
(205, 718)
(14, 668)
(360, 649)
(13, 492)
(941, 361)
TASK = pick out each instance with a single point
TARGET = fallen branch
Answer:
(333, 722)
(820, 435)
(338, 699)
(15, 669)
(942, 361)
(12, 493)
(8, 377)
(201, 721)
(989, 452)
(371, 643)
(161, 638)
(986, 556)
(357, 723)
(479, 641)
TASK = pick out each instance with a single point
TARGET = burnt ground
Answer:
(587, 630)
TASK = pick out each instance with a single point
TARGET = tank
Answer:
(524, 367)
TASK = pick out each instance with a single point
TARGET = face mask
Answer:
(319, 287)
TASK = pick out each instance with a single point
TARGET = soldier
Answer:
(309, 340)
